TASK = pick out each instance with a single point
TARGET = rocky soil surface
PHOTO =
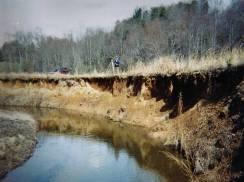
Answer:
(17, 139)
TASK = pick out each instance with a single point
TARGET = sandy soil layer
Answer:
(17, 139)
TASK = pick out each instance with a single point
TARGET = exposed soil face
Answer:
(17, 139)
(236, 114)
(198, 114)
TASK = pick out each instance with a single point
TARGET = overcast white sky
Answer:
(57, 17)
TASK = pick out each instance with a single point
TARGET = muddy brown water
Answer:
(78, 147)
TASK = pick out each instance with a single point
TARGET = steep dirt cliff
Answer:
(199, 114)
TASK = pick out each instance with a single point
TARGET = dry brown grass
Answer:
(162, 65)
(183, 164)
(172, 64)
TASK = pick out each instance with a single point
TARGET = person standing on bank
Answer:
(116, 64)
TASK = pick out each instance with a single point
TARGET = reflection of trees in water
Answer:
(118, 137)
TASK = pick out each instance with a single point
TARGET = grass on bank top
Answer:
(165, 65)
(172, 64)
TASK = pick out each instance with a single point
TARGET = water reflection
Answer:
(74, 158)
(123, 144)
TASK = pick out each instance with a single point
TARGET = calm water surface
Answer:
(74, 158)
(73, 147)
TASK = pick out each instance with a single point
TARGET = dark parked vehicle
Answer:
(62, 70)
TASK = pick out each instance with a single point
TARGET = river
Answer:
(76, 147)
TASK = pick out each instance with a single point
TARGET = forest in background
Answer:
(186, 29)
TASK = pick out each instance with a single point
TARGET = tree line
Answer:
(184, 29)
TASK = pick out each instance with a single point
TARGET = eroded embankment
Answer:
(195, 113)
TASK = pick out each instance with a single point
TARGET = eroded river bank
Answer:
(199, 114)
(79, 147)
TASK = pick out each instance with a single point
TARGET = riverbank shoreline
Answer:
(17, 139)
(148, 153)
(198, 114)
